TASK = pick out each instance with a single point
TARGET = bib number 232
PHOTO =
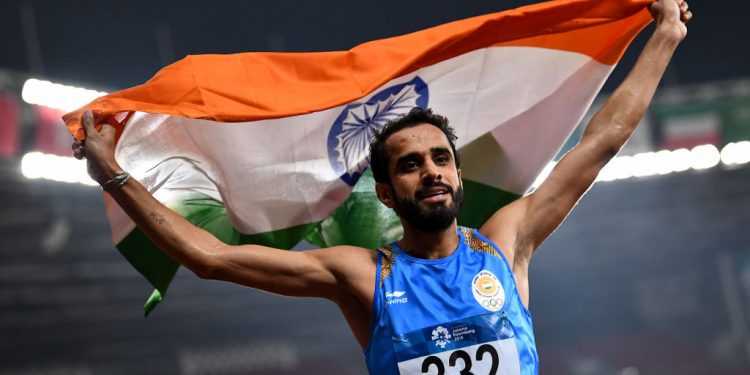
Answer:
(492, 358)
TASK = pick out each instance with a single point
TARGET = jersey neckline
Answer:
(414, 259)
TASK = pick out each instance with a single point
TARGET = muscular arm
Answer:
(522, 226)
(333, 273)
(309, 273)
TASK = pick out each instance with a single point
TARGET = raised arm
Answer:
(327, 273)
(523, 225)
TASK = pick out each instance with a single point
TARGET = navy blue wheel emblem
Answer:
(350, 135)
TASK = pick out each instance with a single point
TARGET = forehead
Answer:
(420, 138)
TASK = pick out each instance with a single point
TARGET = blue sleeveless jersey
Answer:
(445, 316)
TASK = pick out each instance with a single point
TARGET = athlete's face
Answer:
(425, 188)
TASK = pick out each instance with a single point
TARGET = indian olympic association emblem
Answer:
(488, 290)
(350, 135)
(441, 336)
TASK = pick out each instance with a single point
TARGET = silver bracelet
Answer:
(120, 179)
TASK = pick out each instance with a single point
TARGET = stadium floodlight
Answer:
(647, 164)
(704, 157)
(621, 168)
(680, 160)
(36, 165)
(57, 96)
(736, 153)
(665, 162)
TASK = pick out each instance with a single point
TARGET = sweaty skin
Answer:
(417, 156)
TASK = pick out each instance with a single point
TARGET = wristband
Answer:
(117, 181)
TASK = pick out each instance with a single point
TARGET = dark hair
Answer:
(416, 116)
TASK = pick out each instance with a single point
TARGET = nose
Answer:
(431, 172)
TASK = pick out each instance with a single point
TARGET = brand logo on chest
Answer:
(395, 297)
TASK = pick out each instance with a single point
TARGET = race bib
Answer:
(479, 345)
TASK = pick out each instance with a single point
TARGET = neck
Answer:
(429, 245)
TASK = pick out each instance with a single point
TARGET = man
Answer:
(443, 298)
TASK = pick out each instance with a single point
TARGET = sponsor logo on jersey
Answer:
(395, 297)
(488, 291)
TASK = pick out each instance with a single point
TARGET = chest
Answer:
(419, 295)
(451, 318)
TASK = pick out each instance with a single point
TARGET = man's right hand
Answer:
(98, 148)
(671, 16)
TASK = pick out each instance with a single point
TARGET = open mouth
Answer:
(434, 194)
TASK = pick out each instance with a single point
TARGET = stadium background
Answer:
(649, 275)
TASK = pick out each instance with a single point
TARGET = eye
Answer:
(442, 159)
(410, 165)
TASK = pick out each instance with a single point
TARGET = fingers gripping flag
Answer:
(271, 148)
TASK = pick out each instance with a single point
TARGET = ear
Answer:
(459, 173)
(384, 193)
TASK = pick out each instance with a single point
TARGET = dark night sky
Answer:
(113, 45)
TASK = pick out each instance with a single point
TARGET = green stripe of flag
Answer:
(211, 215)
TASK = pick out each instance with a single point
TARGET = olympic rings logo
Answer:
(490, 303)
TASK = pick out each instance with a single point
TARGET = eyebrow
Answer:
(440, 150)
(413, 155)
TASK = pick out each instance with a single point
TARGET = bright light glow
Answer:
(645, 164)
(655, 163)
(736, 153)
(665, 162)
(704, 157)
(680, 160)
(56, 168)
(618, 168)
(55, 95)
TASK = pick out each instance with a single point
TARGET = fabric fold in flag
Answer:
(271, 148)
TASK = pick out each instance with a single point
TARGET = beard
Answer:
(435, 217)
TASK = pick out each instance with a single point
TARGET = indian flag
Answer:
(271, 148)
